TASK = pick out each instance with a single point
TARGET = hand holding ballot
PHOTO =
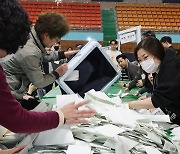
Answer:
(61, 70)
(75, 116)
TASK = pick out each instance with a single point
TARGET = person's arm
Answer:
(17, 94)
(68, 54)
(31, 88)
(141, 104)
(143, 90)
(58, 55)
(54, 55)
(19, 120)
(31, 68)
(12, 151)
(133, 83)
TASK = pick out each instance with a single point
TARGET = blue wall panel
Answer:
(175, 37)
(83, 36)
(99, 36)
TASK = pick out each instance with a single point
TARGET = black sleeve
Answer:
(55, 74)
(143, 90)
(61, 55)
(132, 84)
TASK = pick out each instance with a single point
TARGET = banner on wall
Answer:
(127, 37)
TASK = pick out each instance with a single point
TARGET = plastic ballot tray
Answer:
(90, 68)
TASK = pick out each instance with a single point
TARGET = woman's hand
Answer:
(142, 97)
(31, 88)
(12, 151)
(121, 84)
(27, 97)
(136, 93)
(61, 70)
(126, 90)
(139, 83)
(75, 116)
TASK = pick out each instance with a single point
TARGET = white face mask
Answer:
(149, 66)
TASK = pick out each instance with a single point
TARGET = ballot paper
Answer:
(100, 102)
(42, 107)
(101, 97)
(28, 142)
(58, 136)
(124, 95)
(109, 130)
(122, 116)
(62, 135)
(176, 132)
(151, 149)
(74, 76)
(80, 147)
(62, 100)
(124, 145)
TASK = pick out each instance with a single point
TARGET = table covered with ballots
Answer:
(114, 129)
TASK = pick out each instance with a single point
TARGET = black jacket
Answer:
(134, 74)
(166, 93)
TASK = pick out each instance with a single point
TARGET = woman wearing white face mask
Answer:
(153, 59)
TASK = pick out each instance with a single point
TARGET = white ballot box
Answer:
(90, 68)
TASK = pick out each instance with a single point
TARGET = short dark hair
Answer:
(151, 45)
(14, 26)
(69, 48)
(149, 33)
(166, 39)
(52, 23)
(123, 56)
(116, 42)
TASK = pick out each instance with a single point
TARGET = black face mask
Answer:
(56, 48)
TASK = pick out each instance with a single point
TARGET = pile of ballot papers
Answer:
(114, 129)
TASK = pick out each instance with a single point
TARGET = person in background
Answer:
(130, 72)
(48, 67)
(166, 41)
(166, 86)
(145, 86)
(79, 46)
(30, 99)
(147, 34)
(15, 24)
(113, 52)
(25, 66)
(69, 49)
